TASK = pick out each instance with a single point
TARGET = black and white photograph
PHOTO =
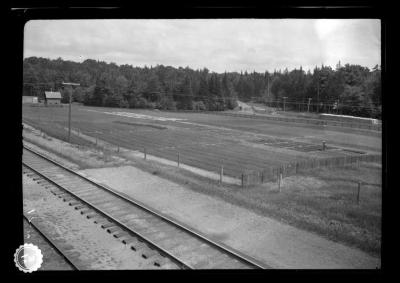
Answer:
(201, 143)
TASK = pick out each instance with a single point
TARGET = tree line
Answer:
(348, 89)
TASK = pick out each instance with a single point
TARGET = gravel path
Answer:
(277, 244)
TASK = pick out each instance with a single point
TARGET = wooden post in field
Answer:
(221, 173)
(242, 180)
(178, 159)
(144, 153)
(279, 183)
(358, 193)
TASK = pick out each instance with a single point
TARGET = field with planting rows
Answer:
(204, 141)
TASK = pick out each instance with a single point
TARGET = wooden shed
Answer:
(52, 97)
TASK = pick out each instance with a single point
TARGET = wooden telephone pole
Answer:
(69, 110)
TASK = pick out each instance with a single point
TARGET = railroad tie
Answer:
(107, 225)
(91, 215)
(113, 229)
(98, 219)
(160, 261)
(134, 243)
(86, 211)
(149, 253)
(80, 206)
(74, 203)
(138, 246)
(129, 240)
(68, 198)
(121, 235)
(58, 193)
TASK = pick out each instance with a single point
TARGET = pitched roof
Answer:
(52, 94)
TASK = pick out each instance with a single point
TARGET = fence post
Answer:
(221, 173)
(358, 193)
(145, 153)
(178, 159)
(279, 182)
(242, 180)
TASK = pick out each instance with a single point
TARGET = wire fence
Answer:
(293, 168)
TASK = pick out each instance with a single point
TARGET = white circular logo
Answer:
(28, 258)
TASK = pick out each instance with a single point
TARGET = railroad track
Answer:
(52, 243)
(133, 223)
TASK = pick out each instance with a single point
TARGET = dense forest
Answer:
(348, 89)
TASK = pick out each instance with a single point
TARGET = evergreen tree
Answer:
(357, 88)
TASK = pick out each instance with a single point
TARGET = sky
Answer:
(216, 44)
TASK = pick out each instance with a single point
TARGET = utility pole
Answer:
(308, 105)
(69, 110)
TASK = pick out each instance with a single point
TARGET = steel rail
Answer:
(228, 250)
(50, 241)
